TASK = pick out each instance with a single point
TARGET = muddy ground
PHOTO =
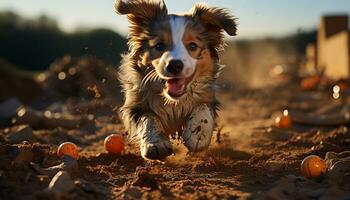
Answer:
(248, 159)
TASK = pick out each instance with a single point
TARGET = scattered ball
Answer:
(114, 144)
(310, 83)
(68, 148)
(283, 121)
(313, 166)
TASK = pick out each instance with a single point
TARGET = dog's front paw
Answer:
(156, 150)
(199, 129)
(197, 141)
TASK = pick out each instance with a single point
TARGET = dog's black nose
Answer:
(175, 67)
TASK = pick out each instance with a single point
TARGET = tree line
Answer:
(32, 44)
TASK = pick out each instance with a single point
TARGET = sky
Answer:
(256, 18)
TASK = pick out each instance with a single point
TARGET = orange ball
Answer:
(310, 83)
(313, 166)
(114, 144)
(283, 121)
(68, 148)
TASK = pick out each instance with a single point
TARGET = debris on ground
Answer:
(69, 165)
(252, 158)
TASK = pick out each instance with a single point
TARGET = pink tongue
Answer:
(176, 87)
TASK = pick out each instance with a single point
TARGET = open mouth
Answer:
(176, 87)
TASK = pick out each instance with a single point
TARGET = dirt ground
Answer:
(248, 159)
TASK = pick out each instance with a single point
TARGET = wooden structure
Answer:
(333, 47)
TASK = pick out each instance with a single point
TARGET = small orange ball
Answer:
(313, 166)
(311, 82)
(114, 144)
(68, 148)
(283, 121)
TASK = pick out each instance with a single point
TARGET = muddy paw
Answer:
(157, 150)
(199, 129)
(197, 143)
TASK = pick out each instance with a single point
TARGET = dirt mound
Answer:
(17, 83)
(85, 77)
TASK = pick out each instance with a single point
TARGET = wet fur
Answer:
(142, 86)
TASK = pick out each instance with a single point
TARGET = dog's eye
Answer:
(160, 46)
(192, 46)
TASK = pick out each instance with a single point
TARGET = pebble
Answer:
(69, 165)
(9, 107)
(62, 182)
(338, 170)
(19, 134)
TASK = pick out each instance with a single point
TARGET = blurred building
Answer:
(311, 58)
(331, 54)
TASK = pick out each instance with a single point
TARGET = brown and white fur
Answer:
(168, 76)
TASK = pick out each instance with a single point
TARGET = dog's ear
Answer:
(215, 18)
(141, 9)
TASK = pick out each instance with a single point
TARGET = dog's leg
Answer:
(199, 128)
(153, 143)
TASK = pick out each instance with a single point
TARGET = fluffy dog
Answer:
(168, 75)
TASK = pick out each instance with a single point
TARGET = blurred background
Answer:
(272, 37)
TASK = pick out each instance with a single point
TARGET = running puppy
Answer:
(168, 76)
